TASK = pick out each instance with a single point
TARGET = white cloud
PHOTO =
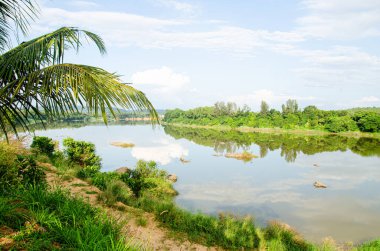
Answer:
(178, 5)
(336, 66)
(164, 86)
(340, 19)
(83, 4)
(163, 79)
(369, 99)
(125, 30)
(254, 99)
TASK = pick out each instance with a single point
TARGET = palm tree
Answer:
(34, 80)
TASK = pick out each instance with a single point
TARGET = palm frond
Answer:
(60, 89)
(14, 17)
(45, 50)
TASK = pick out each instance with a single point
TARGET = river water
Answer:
(277, 185)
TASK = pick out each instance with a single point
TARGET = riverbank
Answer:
(277, 130)
(142, 198)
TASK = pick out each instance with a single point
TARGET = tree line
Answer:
(290, 117)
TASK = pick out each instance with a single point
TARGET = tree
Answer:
(340, 124)
(34, 80)
(369, 122)
(291, 106)
(264, 107)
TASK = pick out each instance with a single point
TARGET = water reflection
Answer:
(164, 153)
(291, 145)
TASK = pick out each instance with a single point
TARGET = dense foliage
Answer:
(81, 152)
(18, 168)
(291, 117)
(44, 145)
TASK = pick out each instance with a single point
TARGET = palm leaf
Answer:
(45, 50)
(60, 89)
(35, 83)
(14, 17)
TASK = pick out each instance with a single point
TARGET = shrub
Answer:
(140, 178)
(115, 191)
(149, 170)
(100, 180)
(135, 181)
(43, 145)
(88, 172)
(81, 152)
(29, 172)
(370, 122)
(288, 237)
(341, 124)
(369, 246)
(17, 168)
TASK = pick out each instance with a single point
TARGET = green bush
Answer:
(369, 122)
(149, 170)
(43, 145)
(8, 169)
(100, 180)
(370, 246)
(341, 124)
(81, 152)
(29, 172)
(288, 237)
(115, 191)
(137, 179)
(17, 168)
(88, 172)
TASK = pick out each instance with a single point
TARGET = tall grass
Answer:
(47, 220)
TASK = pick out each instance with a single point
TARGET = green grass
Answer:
(369, 246)
(91, 192)
(140, 221)
(225, 231)
(45, 220)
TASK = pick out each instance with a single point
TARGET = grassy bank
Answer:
(306, 132)
(34, 217)
(46, 219)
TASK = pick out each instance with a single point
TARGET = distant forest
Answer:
(290, 117)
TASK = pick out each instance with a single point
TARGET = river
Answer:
(277, 185)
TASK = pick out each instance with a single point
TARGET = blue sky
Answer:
(193, 53)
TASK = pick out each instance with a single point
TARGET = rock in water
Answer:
(183, 160)
(318, 184)
(172, 177)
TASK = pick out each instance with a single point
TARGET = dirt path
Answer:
(149, 237)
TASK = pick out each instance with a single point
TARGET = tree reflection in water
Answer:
(290, 145)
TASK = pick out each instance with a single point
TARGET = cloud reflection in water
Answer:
(163, 153)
